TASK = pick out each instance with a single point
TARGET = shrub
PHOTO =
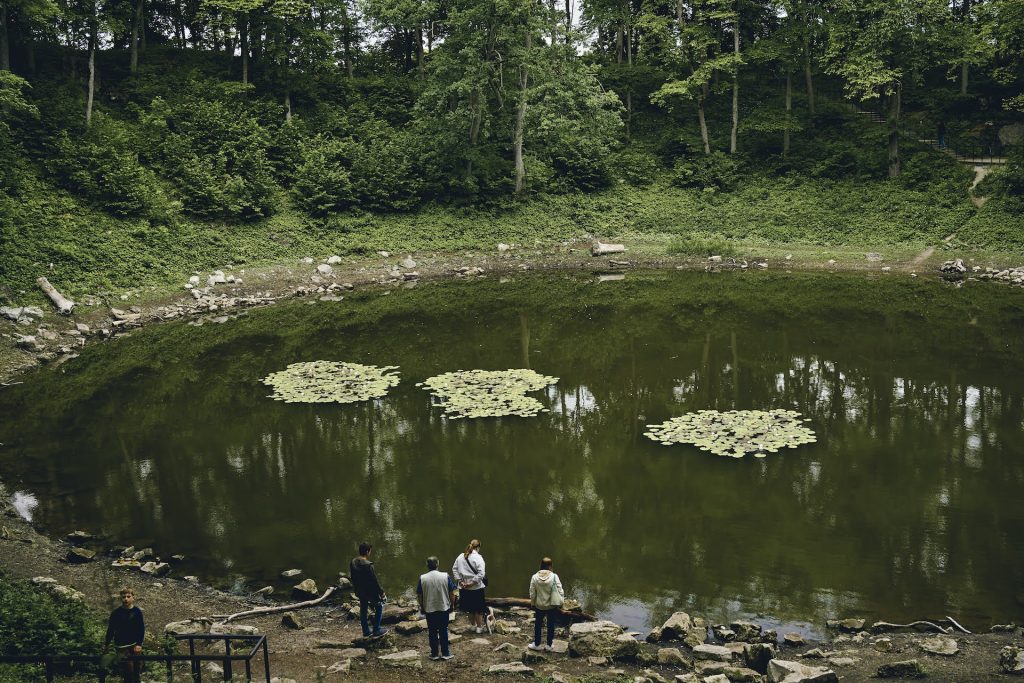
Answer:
(716, 171)
(702, 244)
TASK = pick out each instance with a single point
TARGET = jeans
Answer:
(437, 632)
(378, 615)
(538, 622)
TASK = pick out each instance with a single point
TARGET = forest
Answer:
(150, 118)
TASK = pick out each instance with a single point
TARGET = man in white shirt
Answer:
(436, 592)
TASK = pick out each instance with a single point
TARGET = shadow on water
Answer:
(907, 507)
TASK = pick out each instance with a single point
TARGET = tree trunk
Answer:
(92, 72)
(419, 48)
(735, 87)
(629, 86)
(179, 25)
(808, 76)
(789, 109)
(619, 32)
(963, 78)
(243, 35)
(894, 131)
(705, 138)
(5, 48)
(136, 31)
(349, 67)
(30, 55)
(568, 21)
(524, 82)
(288, 105)
(474, 130)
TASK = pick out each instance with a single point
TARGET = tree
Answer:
(879, 46)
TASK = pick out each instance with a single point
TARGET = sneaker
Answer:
(447, 657)
(479, 629)
(535, 646)
(382, 632)
(434, 658)
(548, 648)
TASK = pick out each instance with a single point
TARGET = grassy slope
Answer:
(91, 251)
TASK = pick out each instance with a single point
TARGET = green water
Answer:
(908, 507)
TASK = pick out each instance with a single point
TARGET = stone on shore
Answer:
(740, 674)
(324, 269)
(1011, 658)
(757, 656)
(784, 671)
(292, 621)
(155, 568)
(291, 573)
(595, 639)
(532, 657)
(715, 653)
(384, 642)
(233, 630)
(80, 555)
(671, 656)
(793, 639)
(394, 614)
(909, 668)
(511, 669)
(189, 627)
(406, 659)
(940, 645)
(305, 589)
(408, 628)
(746, 631)
(340, 667)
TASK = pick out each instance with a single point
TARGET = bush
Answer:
(702, 244)
(1007, 181)
(712, 172)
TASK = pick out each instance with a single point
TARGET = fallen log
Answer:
(957, 624)
(600, 249)
(525, 602)
(921, 626)
(227, 618)
(64, 305)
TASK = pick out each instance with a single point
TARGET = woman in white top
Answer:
(470, 573)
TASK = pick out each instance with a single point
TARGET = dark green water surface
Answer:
(911, 504)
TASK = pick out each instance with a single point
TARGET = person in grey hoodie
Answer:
(546, 596)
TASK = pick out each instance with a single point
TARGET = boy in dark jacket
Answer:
(126, 629)
(368, 590)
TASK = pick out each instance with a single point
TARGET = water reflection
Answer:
(905, 508)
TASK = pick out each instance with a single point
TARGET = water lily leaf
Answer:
(736, 432)
(325, 381)
(488, 393)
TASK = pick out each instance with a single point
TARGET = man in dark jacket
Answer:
(127, 629)
(368, 590)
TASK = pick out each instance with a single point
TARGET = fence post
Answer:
(49, 670)
(227, 662)
(266, 658)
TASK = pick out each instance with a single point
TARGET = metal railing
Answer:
(258, 642)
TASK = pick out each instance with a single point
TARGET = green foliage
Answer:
(712, 172)
(32, 622)
(701, 244)
(638, 167)
(1006, 181)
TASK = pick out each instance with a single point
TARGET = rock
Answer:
(686, 678)
(1011, 658)
(308, 260)
(1003, 628)
(842, 661)
(1011, 134)
(783, 671)
(353, 653)
(741, 674)
(177, 558)
(757, 656)
(155, 568)
(385, 254)
(324, 269)
(45, 581)
(384, 642)
(651, 676)
(532, 657)
(717, 678)
(955, 267)
(407, 628)
(816, 653)
(215, 278)
(142, 555)
(746, 631)
(80, 556)
(512, 669)
(715, 653)
(596, 638)
(280, 679)
(560, 647)
(654, 635)
(504, 647)
(305, 589)
(27, 341)
(502, 247)
(874, 256)
(671, 656)
(189, 627)
(909, 668)
(190, 579)
(408, 263)
(676, 627)
(940, 645)
(715, 259)
(233, 630)
(67, 593)
(505, 627)
(597, 661)
(291, 573)
(793, 639)
(724, 633)
(82, 327)
(11, 312)
(601, 248)
(394, 614)
(850, 625)
(266, 590)
(290, 620)
(194, 280)
(882, 645)
(406, 659)
(333, 260)
(340, 667)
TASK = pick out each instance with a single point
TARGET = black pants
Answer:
(437, 632)
(538, 622)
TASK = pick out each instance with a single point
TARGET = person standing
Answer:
(368, 590)
(126, 628)
(941, 132)
(470, 572)
(435, 593)
(546, 596)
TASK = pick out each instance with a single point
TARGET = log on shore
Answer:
(525, 602)
(259, 611)
(600, 249)
(64, 305)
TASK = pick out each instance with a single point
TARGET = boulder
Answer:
(909, 668)
(597, 661)
(851, 625)
(80, 556)
(189, 627)
(723, 633)
(333, 260)
(1011, 658)
(79, 537)
(511, 669)
(716, 678)
(601, 639)
(676, 626)
(233, 630)
(671, 656)
(291, 573)
(384, 642)
(651, 676)
(560, 647)
(783, 671)
(757, 656)
(793, 639)
(406, 659)
(266, 590)
(739, 674)
(397, 613)
(352, 653)
(714, 653)
(408, 263)
(746, 631)
(1012, 134)
(532, 657)
(305, 590)
(66, 592)
(290, 620)
(939, 645)
(155, 568)
(408, 628)
(324, 269)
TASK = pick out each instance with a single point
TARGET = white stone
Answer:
(715, 653)
(512, 669)
(334, 260)
(324, 269)
(782, 671)
(406, 659)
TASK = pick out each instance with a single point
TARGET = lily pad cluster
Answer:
(736, 432)
(488, 393)
(325, 381)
